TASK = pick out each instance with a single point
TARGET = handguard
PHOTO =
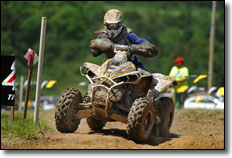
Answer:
(144, 49)
(101, 45)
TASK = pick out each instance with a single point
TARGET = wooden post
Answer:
(12, 107)
(211, 46)
(21, 93)
(40, 68)
(28, 87)
(12, 112)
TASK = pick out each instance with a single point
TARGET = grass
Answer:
(22, 129)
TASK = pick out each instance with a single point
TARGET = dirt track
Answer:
(192, 129)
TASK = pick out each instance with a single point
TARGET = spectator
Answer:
(179, 74)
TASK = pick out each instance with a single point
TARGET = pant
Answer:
(180, 98)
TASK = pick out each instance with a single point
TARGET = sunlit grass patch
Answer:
(20, 128)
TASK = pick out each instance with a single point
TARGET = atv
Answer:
(117, 91)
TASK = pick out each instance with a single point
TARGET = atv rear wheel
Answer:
(66, 110)
(166, 114)
(140, 120)
(95, 124)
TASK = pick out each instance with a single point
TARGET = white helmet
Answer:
(113, 21)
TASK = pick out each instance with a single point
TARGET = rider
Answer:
(116, 33)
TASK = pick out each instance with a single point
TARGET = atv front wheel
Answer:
(95, 124)
(166, 113)
(66, 110)
(140, 120)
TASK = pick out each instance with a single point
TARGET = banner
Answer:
(8, 80)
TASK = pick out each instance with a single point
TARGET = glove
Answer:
(174, 83)
(95, 53)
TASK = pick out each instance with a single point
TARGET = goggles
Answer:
(113, 26)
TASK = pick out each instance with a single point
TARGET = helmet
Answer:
(113, 16)
(113, 21)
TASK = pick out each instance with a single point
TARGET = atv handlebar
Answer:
(118, 47)
(121, 48)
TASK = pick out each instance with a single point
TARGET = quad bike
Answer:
(117, 92)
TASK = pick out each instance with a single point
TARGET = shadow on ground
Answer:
(152, 140)
(112, 132)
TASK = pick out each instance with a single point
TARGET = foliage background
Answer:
(177, 28)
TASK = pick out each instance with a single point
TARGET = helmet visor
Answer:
(113, 26)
